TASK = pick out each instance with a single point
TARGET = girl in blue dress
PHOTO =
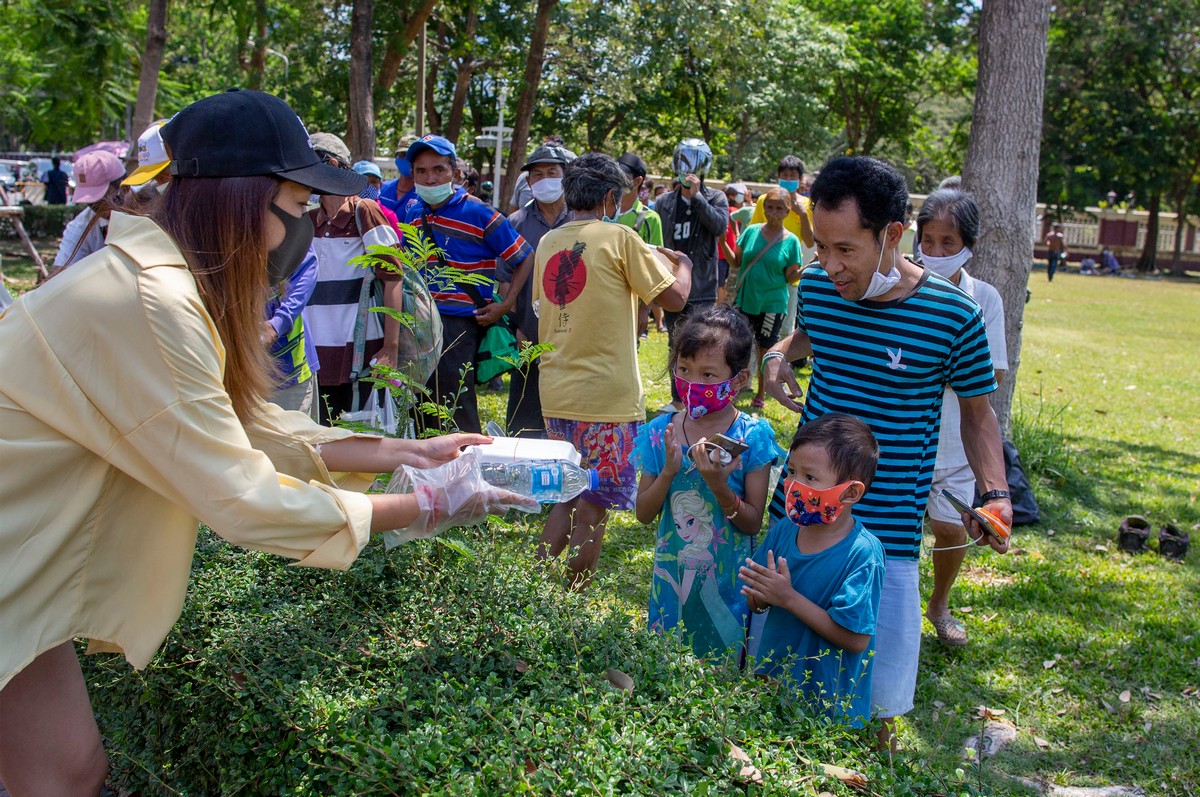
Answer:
(710, 512)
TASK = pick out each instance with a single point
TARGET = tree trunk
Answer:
(1001, 166)
(397, 45)
(1148, 259)
(156, 37)
(436, 59)
(258, 56)
(462, 79)
(1180, 224)
(533, 74)
(362, 106)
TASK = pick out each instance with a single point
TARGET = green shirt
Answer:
(763, 287)
(742, 215)
(651, 229)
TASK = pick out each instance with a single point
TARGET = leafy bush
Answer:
(41, 221)
(429, 669)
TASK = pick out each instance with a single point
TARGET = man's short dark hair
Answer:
(848, 442)
(879, 190)
(956, 206)
(590, 177)
(790, 162)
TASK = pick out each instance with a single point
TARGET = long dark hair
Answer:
(220, 225)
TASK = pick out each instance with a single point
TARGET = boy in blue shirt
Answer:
(820, 572)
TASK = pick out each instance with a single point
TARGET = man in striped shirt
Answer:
(472, 237)
(887, 336)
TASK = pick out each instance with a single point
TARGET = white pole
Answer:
(499, 146)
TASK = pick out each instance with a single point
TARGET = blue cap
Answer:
(593, 479)
(403, 166)
(436, 143)
(368, 167)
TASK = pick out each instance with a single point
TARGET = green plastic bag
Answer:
(498, 343)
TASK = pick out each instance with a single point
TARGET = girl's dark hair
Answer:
(717, 326)
(848, 442)
(220, 225)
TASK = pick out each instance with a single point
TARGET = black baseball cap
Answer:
(632, 164)
(242, 133)
(549, 153)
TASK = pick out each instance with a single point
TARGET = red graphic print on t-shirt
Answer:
(566, 275)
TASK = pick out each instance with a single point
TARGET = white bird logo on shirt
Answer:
(895, 356)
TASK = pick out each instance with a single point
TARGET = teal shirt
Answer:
(764, 288)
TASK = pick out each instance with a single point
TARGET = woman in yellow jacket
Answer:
(131, 406)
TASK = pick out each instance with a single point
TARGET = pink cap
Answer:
(93, 173)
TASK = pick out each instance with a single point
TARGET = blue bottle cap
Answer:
(593, 479)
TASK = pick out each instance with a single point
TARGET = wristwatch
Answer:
(992, 495)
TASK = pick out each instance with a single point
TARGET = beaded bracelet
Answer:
(737, 507)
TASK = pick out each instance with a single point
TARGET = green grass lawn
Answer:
(1092, 653)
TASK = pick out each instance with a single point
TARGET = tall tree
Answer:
(361, 124)
(152, 54)
(1001, 168)
(398, 38)
(528, 94)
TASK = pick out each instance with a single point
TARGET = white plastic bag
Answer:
(380, 412)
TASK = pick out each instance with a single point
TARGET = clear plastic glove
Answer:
(450, 495)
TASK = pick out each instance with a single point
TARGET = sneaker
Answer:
(1173, 542)
(1132, 535)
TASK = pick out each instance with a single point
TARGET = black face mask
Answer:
(283, 260)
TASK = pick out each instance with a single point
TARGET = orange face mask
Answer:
(806, 506)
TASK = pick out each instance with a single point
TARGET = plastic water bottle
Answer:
(548, 481)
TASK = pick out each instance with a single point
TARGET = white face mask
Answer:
(881, 284)
(945, 266)
(547, 189)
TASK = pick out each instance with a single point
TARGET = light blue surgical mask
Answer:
(434, 195)
(791, 186)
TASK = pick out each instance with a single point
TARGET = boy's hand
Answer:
(770, 585)
(672, 453)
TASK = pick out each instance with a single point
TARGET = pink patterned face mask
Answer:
(700, 399)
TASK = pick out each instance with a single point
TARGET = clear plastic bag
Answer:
(451, 495)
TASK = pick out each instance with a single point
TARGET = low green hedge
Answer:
(41, 221)
(426, 670)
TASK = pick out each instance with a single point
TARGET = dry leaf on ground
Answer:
(618, 679)
(748, 771)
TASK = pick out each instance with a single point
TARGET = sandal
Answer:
(1173, 542)
(758, 404)
(1133, 533)
(949, 630)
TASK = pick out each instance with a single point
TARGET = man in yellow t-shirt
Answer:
(799, 219)
(588, 277)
